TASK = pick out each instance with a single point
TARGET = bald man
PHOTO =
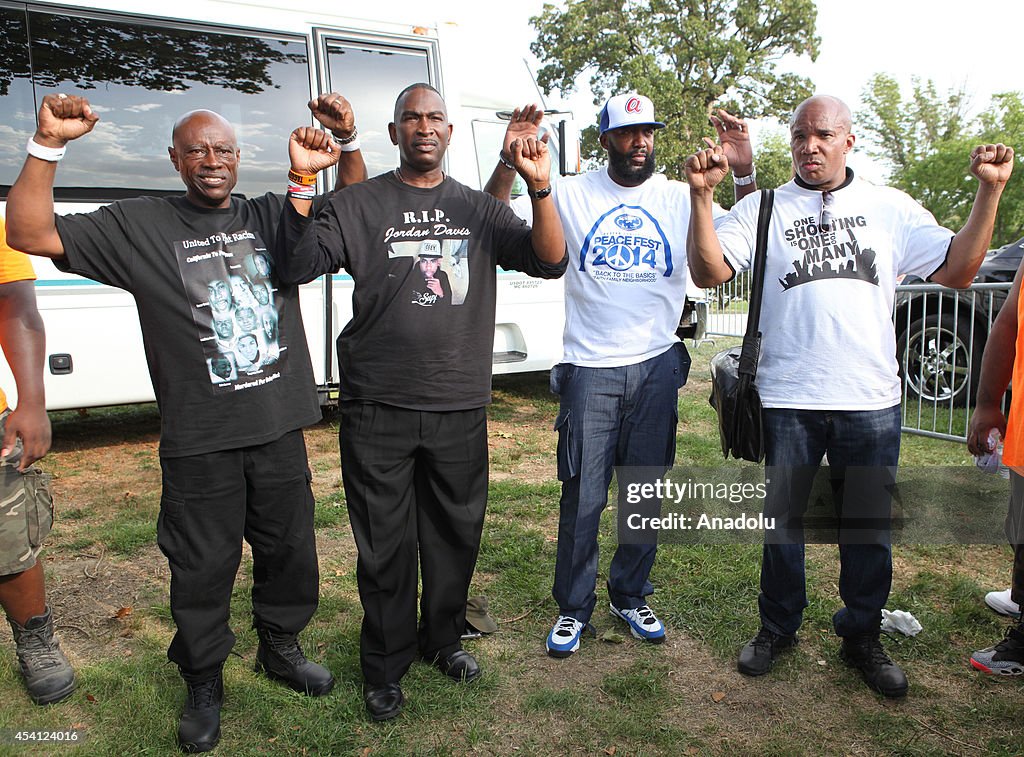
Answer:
(231, 449)
(828, 374)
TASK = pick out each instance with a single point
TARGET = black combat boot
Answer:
(280, 657)
(199, 727)
(864, 652)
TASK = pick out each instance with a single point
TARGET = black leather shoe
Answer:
(865, 653)
(281, 658)
(199, 727)
(460, 666)
(757, 656)
(383, 701)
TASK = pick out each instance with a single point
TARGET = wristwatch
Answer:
(540, 194)
(742, 181)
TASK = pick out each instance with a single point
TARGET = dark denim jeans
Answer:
(624, 416)
(795, 442)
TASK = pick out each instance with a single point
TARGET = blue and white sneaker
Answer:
(643, 623)
(564, 638)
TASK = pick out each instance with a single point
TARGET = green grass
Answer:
(622, 698)
(330, 511)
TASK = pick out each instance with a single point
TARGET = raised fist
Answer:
(335, 113)
(63, 118)
(706, 169)
(532, 161)
(992, 164)
(311, 150)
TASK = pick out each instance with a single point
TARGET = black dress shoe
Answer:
(460, 666)
(282, 659)
(199, 727)
(383, 700)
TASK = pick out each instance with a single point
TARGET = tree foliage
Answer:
(686, 55)
(927, 138)
(774, 167)
(906, 130)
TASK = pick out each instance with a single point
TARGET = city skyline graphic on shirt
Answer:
(856, 265)
(825, 254)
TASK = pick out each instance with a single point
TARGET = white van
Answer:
(256, 63)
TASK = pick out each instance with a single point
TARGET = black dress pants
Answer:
(416, 486)
(211, 502)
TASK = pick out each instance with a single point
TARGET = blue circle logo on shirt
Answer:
(628, 222)
(620, 257)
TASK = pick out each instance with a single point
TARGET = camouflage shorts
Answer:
(26, 512)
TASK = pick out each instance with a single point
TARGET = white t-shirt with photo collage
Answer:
(828, 340)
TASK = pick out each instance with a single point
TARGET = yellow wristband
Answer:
(307, 180)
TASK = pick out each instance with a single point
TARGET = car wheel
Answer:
(934, 357)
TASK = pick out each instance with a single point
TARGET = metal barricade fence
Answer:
(940, 337)
(728, 305)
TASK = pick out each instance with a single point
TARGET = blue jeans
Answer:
(795, 441)
(624, 416)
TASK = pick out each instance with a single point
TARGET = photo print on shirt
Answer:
(438, 275)
(236, 313)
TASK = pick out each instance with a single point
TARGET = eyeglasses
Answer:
(825, 219)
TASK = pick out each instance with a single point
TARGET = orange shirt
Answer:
(1013, 444)
(14, 266)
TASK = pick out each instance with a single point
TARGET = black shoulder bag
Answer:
(733, 391)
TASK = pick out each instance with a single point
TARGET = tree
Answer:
(686, 55)
(774, 167)
(904, 132)
(927, 139)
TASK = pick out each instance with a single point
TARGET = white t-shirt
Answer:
(826, 319)
(627, 275)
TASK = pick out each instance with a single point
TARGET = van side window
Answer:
(17, 108)
(371, 76)
(140, 77)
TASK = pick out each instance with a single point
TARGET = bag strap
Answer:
(752, 338)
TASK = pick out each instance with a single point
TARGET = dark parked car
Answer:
(941, 336)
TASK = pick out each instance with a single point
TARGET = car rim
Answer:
(937, 364)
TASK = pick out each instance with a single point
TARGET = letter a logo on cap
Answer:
(631, 109)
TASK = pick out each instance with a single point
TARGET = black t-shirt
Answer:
(224, 340)
(403, 348)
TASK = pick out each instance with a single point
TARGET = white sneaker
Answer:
(643, 623)
(564, 638)
(1000, 602)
